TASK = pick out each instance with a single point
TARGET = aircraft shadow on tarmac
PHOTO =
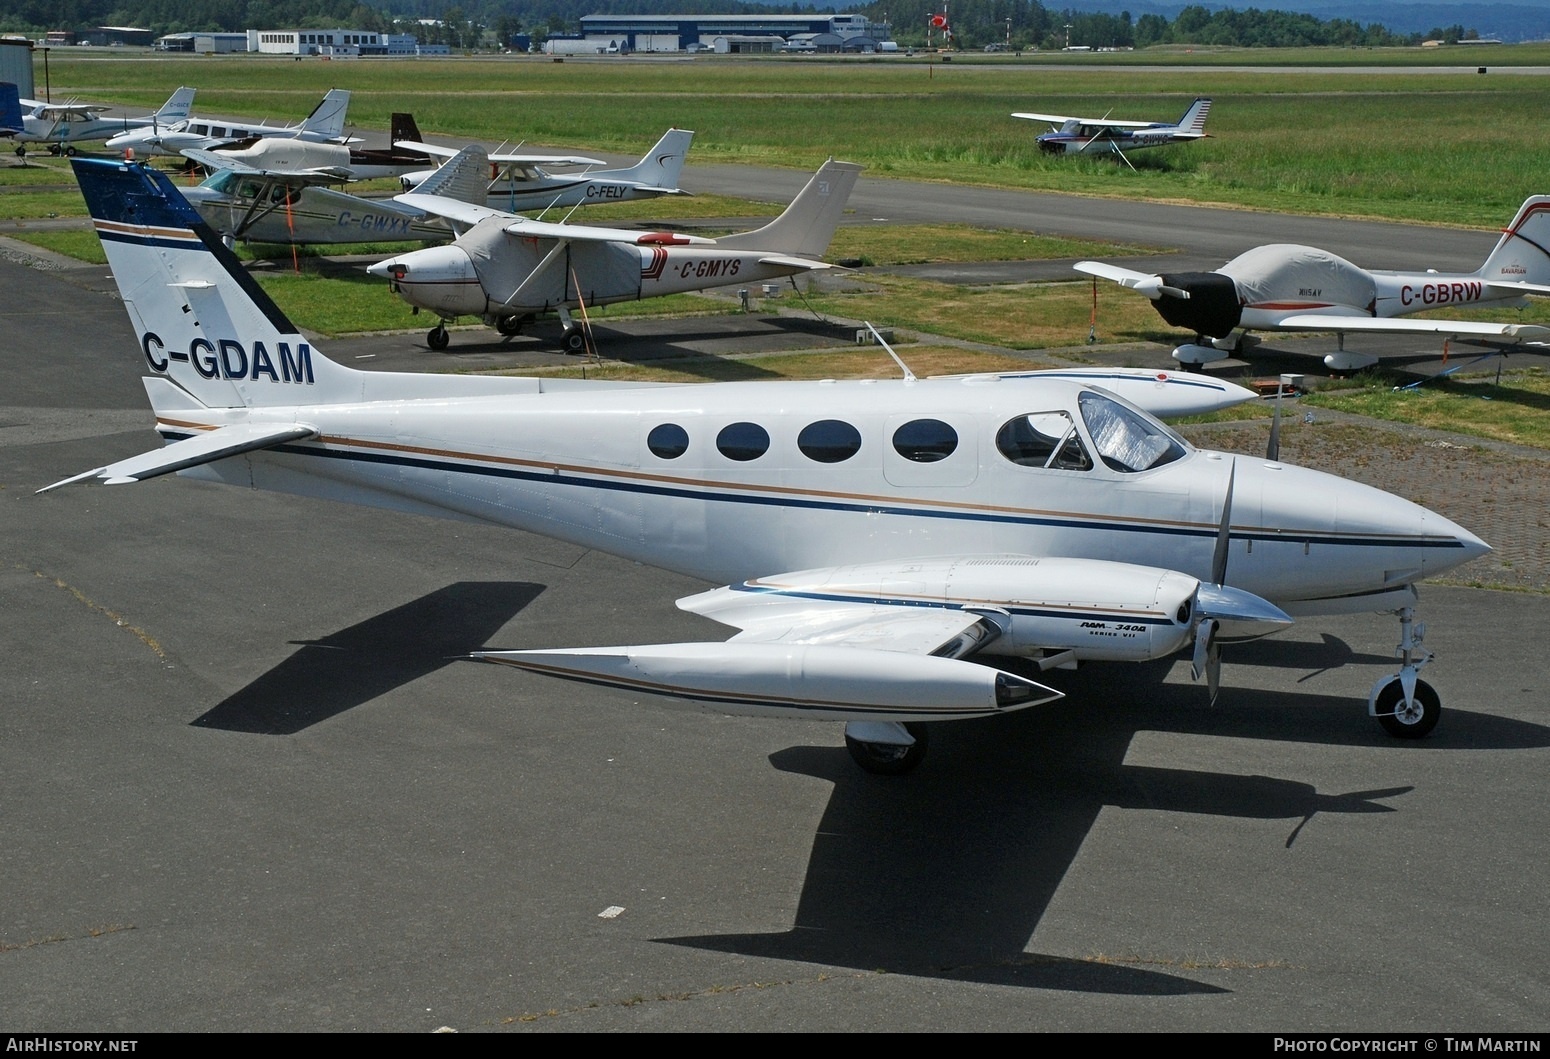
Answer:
(355, 665)
(946, 874)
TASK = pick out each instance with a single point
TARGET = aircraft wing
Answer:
(316, 177)
(1146, 283)
(57, 111)
(528, 229)
(202, 448)
(1410, 325)
(847, 659)
(512, 159)
(1108, 123)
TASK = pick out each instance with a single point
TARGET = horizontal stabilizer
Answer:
(801, 263)
(218, 444)
(791, 680)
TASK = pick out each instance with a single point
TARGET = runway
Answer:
(248, 785)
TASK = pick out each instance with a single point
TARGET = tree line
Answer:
(470, 24)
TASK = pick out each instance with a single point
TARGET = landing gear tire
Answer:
(53, 149)
(438, 339)
(509, 326)
(1413, 721)
(21, 151)
(889, 759)
(69, 152)
(573, 341)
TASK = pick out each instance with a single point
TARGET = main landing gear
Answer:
(1406, 706)
(886, 748)
(437, 338)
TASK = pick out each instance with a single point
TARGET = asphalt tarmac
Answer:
(249, 785)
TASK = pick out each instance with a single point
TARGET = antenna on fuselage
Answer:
(909, 376)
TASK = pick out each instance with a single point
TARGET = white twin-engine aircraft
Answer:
(872, 535)
(1285, 287)
(509, 270)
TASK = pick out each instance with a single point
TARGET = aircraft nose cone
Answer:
(1469, 546)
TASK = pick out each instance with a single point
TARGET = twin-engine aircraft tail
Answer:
(808, 224)
(1522, 255)
(203, 323)
(176, 108)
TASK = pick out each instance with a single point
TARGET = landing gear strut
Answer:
(1406, 706)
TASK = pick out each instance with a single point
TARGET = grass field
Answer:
(1407, 134)
(1343, 132)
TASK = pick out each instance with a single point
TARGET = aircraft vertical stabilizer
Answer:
(176, 108)
(462, 178)
(662, 165)
(809, 223)
(203, 322)
(10, 109)
(327, 118)
(1522, 255)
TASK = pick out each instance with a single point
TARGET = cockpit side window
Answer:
(1043, 439)
(1128, 440)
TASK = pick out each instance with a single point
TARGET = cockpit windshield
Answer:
(1128, 440)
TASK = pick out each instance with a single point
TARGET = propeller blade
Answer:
(1223, 533)
(1205, 633)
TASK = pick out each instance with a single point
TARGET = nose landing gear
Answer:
(1406, 706)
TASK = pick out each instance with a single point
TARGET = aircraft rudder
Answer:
(177, 106)
(10, 108)
(203, 322)
(1522, 254)
(806, 226)
(1194, 119)
(328, 117)
(404, 128)
(663, 164)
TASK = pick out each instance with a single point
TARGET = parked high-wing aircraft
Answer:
(521, 184)
(1105, 135)
(1285, 287)
(63, 125)
(324, 125)
(508, 270)
(297, 205)
(276, 154)
(872, 534)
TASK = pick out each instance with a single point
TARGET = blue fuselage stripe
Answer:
(709, 494)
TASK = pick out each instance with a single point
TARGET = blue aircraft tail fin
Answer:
(10, 109)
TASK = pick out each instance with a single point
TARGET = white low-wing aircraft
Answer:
(508, 270)
(1285, 287)
(872, 535)
(64, 125)
(1105, 135)
(324, 125)
(521, 184)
